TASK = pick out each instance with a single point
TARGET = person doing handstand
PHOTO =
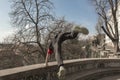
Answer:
(55, 46)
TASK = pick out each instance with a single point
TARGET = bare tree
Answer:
(98, 26)
(31, 18)
(23, 40)
(107, 10)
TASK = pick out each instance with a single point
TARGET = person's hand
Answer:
(46, 64)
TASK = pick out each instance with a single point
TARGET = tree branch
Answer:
(28, 12)
(107, 33)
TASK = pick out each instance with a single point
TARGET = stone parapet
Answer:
(77, 69)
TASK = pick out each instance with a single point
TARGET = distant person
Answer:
(55, 46)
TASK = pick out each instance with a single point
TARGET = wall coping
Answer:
(11, 71)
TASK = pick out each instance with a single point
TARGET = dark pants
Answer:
(57, 42)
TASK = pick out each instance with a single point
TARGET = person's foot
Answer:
(77, 29)
(81, 30)
(62, 72)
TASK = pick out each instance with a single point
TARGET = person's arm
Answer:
(46, 60)
(49, 52)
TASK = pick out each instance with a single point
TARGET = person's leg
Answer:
(58, 55)
(59, 60)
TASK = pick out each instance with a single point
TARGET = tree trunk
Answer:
(116, 45)
(38, 41)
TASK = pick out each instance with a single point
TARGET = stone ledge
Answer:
(76, 66)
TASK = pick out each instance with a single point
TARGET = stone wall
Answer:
(79, 69)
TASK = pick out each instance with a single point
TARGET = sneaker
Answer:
(62, 72)
(77, 29)
(81, 30)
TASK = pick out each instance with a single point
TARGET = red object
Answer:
(50, 51)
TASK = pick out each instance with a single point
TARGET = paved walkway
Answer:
(117, 77)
